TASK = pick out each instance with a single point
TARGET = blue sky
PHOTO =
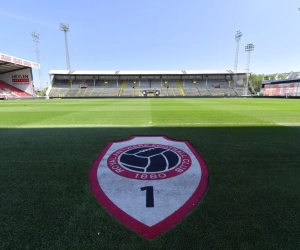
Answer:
(154, 34)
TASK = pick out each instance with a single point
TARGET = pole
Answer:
(67, 52)
(36, 38)
(238, 37)
(65, 28)
(248, 48)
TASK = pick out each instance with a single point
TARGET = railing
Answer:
(122, 88)
(181, 90)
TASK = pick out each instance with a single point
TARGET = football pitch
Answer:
(251, 147)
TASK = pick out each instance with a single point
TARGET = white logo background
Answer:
(169, 194)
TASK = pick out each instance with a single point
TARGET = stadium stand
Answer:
(133, 83)
(163, 90)
(242, 92)
(98, 89)
(74, 89)
(144, 84)
(156, 84)
(16, 79)
(295, 75)
(60, 88)
(190, 89)
(7, 91)
(281, 84)
(287, 89)
(203, 90)
(127, 89)
(89, 90)
(221, 88)
(111, 88)
(173, 88)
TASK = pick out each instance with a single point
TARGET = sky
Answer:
(153, 34)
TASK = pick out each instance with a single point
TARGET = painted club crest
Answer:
(149, 183)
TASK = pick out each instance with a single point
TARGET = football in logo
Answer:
(149, 159)
(150, 183)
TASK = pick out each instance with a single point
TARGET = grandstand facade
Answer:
(282, 84)
(136, 83)
(16, 80)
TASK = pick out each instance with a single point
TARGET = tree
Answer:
(268, 78)
(281, 76)
(255, 81)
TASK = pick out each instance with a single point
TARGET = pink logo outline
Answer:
(164, 225)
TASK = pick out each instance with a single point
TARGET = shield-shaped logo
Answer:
(149, 183)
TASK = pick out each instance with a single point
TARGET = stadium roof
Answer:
(10, 63)
(122, 72)
(282, 78)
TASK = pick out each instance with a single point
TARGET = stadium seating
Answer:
(156, 84)
(203, 90)
(127, 89)
(111, 88)
(144, 84)
(163, 91)
(97, 90)
(131, 88)
(190, 89)
(8, 91)
(240, 83)
(60, 88)
(173, 88)
(286, 89)
(241, 91)
(221, 88)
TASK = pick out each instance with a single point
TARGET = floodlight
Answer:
(238, 35)
(65, 28)
(249, 47)
(36, 38)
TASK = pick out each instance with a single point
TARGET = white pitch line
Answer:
(290, 124)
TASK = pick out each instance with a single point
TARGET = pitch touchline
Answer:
(293, 124)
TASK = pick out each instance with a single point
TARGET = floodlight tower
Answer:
(36, 38)
(248, 48)
(65, 28)
(238, 37)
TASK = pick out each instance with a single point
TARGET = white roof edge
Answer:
(149, 72)
(19, 61)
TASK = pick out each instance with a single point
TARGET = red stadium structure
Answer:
(16, 80)
(284, 84)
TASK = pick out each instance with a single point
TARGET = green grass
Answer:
(251, 147)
